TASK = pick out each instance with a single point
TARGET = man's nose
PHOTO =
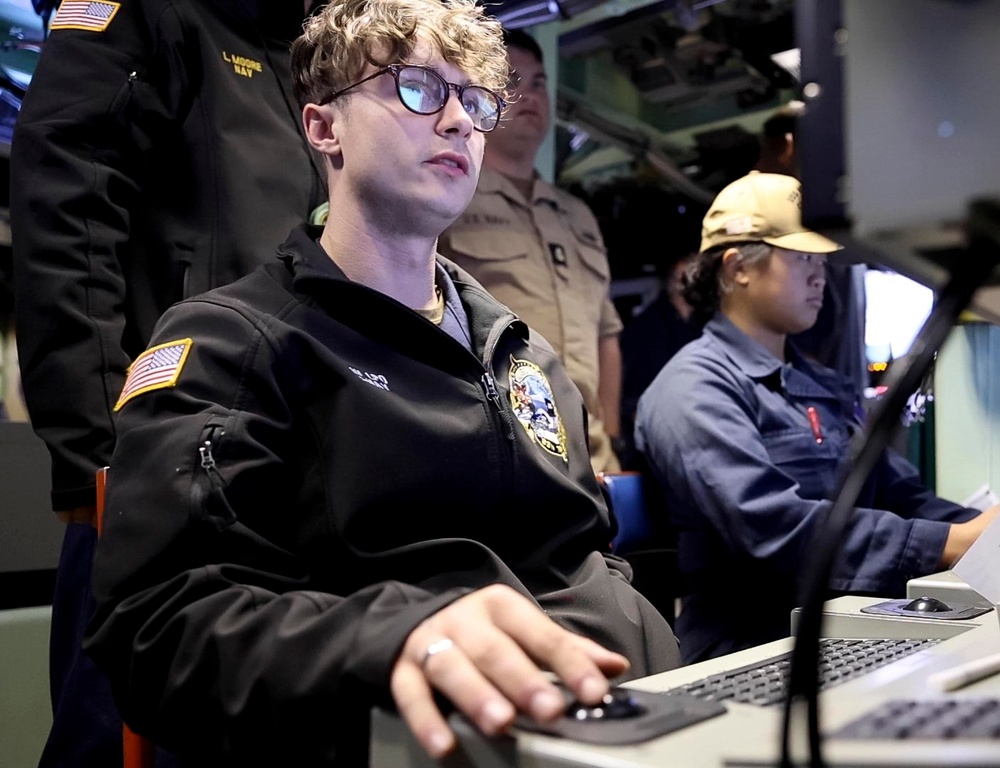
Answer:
(454, 116)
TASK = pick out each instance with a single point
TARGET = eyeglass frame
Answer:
(395, 69)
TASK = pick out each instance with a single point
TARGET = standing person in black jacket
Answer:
(354, 478)
(158, 154)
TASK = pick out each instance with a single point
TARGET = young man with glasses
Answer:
(354, 478)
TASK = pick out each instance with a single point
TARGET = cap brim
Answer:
(804, 242)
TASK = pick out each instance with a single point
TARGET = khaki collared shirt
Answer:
(545, 259)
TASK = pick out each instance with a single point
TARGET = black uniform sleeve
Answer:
(217, 634)
(73, 176)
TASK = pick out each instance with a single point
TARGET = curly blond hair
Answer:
(346, 35)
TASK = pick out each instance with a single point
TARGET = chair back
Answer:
(627, 500)
(138, 751)
(644, 537)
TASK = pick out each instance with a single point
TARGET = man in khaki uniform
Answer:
(539, 250)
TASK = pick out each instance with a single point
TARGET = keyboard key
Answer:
(907, 719)
(841, 659)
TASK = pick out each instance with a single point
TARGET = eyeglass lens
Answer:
(425, 92)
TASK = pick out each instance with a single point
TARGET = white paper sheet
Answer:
(979, 567)
(982, 498)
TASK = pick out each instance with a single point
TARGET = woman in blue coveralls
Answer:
(747, 438)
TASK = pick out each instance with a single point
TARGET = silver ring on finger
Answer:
(438, 646)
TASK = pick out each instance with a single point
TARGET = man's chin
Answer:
(449, 214)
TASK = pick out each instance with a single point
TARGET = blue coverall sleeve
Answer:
(903, 492)
(698, 428)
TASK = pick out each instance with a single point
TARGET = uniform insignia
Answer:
(535, 407)
(558, 254)
(91, 15)
(156, 368)
(741, 226)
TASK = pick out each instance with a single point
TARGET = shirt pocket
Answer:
(814, 466)
(489, 245)
(593, 256)
(500, 259)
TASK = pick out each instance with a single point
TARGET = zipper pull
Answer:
(494, 396)
(214, 506)
(207, 459)
(491, 389)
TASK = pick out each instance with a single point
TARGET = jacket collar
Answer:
(749, 356)
(798, 376)
(305, 258)
(316, 275)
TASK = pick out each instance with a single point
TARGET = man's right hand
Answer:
(489, 653)
(86, 515)
(962, 535)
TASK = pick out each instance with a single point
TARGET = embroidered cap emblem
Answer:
(535, 407)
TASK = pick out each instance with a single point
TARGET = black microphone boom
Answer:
(971, 268)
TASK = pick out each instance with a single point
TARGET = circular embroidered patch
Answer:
(535, 407)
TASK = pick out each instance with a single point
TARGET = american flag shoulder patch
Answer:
(92, 15)
(156, 368)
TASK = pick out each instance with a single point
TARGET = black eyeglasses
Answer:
(425, 92)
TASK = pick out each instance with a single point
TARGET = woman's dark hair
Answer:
(702, 284)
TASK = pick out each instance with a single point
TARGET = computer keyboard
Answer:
(940, 719)
(764, 682)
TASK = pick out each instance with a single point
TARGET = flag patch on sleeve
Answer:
(92, 15)
(156, 368)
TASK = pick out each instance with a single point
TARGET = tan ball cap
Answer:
(765, 207)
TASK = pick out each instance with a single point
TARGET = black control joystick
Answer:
(616, 705)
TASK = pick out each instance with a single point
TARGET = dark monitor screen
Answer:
(901, 130)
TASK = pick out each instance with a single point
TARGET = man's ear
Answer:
(320, 125)
(734, 267)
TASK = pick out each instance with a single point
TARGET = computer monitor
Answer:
(896, 308)
(899, 134)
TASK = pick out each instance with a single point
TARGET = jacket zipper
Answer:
(208, 505)
(208, 460)
(489, 383)
(493, 395)
(502, 416)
